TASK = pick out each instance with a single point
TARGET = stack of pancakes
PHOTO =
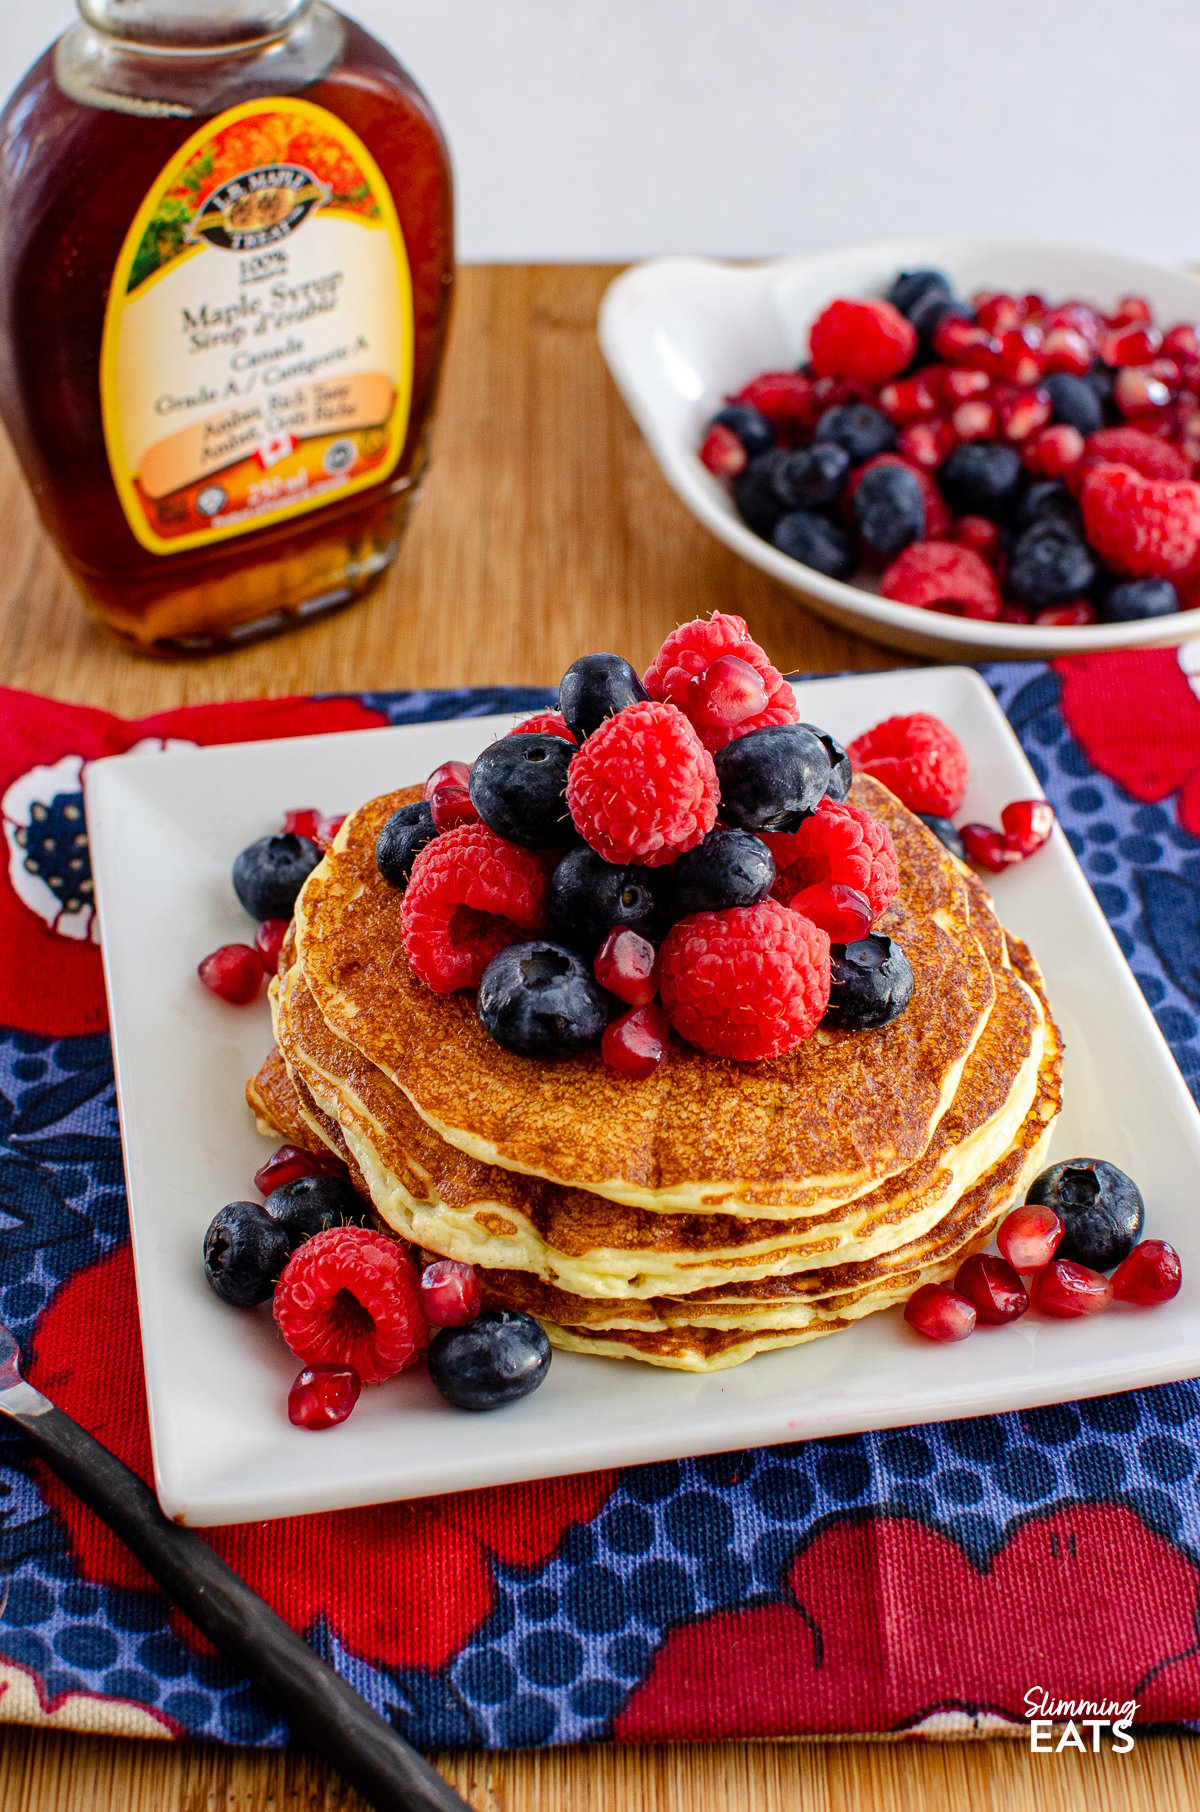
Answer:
(714, 1209)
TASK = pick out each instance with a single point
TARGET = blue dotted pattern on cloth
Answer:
(568, 1640)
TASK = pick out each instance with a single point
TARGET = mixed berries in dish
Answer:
(1008, 459)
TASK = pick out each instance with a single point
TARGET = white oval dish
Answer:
(681, 334)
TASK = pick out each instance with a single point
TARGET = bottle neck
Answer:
(182, 58)
(204, 26)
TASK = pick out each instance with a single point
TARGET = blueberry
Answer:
(244, 1252)
(1048, 501)
(541, 1000)
(589, 896)
(818, 543)
(518, 786)
(812, 476)
(594, 687)
(863, 431)
(1100, 1207)
(758, 502)
(309, 1205)
(752, 429)
(405, 833)
(730, 868)
(772, 779)
(913, 287)
(1075, 402)
(502, 1355)
(889, 509)
(269, 874)
(1101, 379)
(980, 478)
(841, 774)
(1135, 600)
(1049, 564)
(943, 829)
(872, 983)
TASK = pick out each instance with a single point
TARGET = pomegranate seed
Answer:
(1022, 412)
(1131, 309)
(1065, 349)
(996, 313)
(980, 534)
(1149, 1275)
(1014, 613)
(268, 941)
(1064, 1289)
(722, 452)
(1135, 345)
(1052, 451)
(1032, 305)
(627, 965)
(1136, 390)
(235, 972)
(1077, 613)
(287, 1162)
(1079, 316)
(303, 822)
(962, 342)
(323, 1395)
(451, 1293)
(974, 421)
(837, 908)
(1028, 1237)
(994, 1287)
(726, 693)
(451, 805)
(911, 399)
(963, 384)
(927, 443)
(1027, 823)
(1183, 342)
(636, 1044)
(788, 399)
(940, 1313)
(1019, 360)
(451, 773)
(328, 828)
(990, 848)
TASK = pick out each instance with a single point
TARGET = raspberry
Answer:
(749, 983)
(547, 723)
(939, 575)
(643, 787)
(868, 341)
(919, 758)
(1149, 456)
(937, 515)
(840, 842)
(787, 399)
(348, 1296)
(1146, 528)
(471, 894)
(691, 650)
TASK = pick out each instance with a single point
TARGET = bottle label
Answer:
(258, 339)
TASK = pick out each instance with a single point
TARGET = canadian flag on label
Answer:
(278, 447)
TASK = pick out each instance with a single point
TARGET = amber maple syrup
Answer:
(226, 261)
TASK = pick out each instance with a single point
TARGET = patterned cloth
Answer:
(920, 1579)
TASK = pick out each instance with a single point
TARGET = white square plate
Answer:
(164, 830)
(682, 334)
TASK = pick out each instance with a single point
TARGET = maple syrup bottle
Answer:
(226, 262)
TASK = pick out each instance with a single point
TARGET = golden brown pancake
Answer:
(827, 1122)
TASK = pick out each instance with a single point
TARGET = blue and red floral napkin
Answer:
(914, 1580)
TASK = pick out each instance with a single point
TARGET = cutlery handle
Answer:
(324, 1711)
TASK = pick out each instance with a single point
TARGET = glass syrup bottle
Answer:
(226, 264)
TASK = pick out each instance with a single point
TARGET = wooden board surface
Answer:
(545, 530)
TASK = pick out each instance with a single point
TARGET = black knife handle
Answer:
(325, 1712)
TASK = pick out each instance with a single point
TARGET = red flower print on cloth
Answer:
(50, 979)
(403, 1585)
(1136, 715)
(889, 1624)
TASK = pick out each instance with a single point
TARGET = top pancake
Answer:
(832, 1119)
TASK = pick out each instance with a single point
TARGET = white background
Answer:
(598, 129)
